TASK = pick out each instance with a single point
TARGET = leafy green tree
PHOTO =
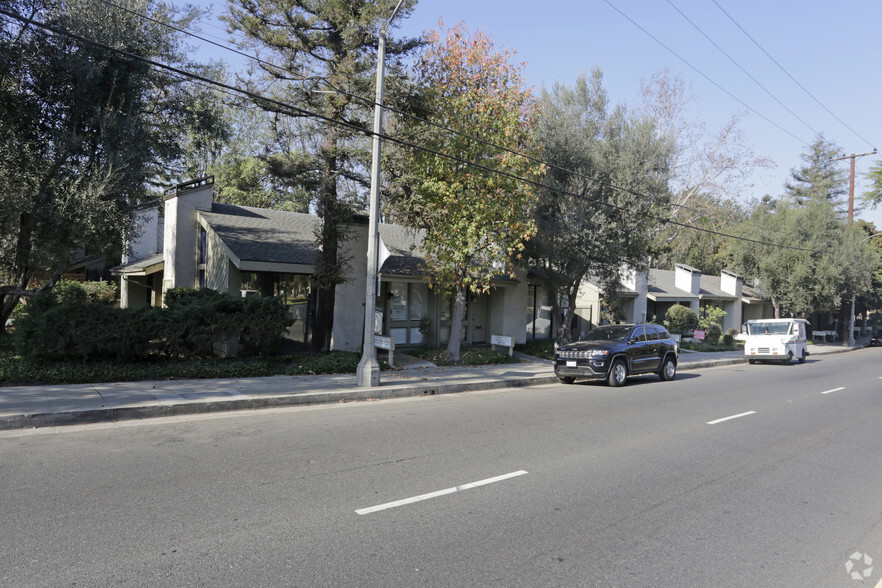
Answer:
(804, 255)
(607, 185)
(711, 321)
(874, 195)
(324, 56)
(85, 130)
(872, 298)
(476, 218)
(833, 262)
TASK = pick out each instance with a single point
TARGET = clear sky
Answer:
(832, 50)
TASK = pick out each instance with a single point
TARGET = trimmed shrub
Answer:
(94, 292)
(679, 319)
(264, 322)
(712, 334)
(83, 330)
(197, 323)
(200, 322)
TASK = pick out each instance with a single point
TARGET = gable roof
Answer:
(264, 235)
(403, 245)
(260, 235)
(662, 286)
(140, 267)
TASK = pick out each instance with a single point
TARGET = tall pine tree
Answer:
(321, 57)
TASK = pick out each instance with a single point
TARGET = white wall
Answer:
(181, 235)
(147, 238)
(508, 310)
(348, 333)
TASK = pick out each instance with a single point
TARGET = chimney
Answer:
(181, 237)
(687, 278)
(731, 283)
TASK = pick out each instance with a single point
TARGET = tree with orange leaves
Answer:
(466, 186)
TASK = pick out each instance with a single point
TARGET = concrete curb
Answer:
(93, 416)
(354, 394)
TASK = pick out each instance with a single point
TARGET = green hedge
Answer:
(196, 323)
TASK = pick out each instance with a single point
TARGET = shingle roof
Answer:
(260, 234)
(662, 283)
(403, 243)
(144, 266)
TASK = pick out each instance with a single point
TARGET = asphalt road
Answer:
(580, 485)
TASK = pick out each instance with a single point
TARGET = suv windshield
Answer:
(614, 333)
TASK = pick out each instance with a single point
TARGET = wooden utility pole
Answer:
(849, 340)
(852, 157)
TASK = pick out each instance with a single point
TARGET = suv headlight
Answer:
(595, 353)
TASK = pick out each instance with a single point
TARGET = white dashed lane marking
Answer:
(729, 418)
(411, 500)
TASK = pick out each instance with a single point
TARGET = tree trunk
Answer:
(453, 346)
(844, 316)
(326, 273)
(565, 332)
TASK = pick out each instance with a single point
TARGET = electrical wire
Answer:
(738, 65)
(284, 108)
(795, 81)
(705, 76)
(370, 102)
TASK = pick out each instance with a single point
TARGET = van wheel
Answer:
(668, 370)
(802, 357)
(566, 379)
(618, 373)
(789, 359)
(751, 361)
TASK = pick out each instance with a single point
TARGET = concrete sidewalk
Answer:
(25, 407)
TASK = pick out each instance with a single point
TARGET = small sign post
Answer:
(502, 341)
(387, 343)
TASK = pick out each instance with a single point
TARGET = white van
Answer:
(776, 339)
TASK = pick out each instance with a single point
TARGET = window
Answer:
(408, 305)
(419, 297)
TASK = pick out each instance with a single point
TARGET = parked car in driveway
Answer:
(614, 352)
(875, 338)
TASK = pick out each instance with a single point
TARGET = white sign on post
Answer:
(502, 341)
(378, 321)
(386, 343)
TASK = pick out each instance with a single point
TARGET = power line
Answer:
(285, 108)
(738, 65)
(795, 81)
(705, 76)
(370, 102)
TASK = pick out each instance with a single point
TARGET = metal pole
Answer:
(368, 372)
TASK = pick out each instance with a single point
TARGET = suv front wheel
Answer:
(618, 373)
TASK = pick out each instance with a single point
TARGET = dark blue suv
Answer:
(614, 352)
